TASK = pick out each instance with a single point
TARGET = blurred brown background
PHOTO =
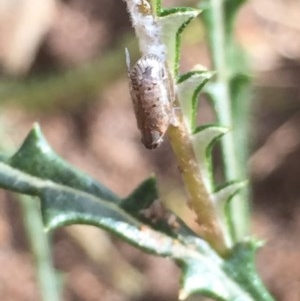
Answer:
(62, 64)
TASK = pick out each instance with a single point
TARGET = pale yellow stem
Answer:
(199, 198)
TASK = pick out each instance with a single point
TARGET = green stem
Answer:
(238, 218)
(241, 267)
(40, 246)
(46, 274)
(222, 83)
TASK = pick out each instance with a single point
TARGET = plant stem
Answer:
(238, 209)
(200, 200)
(46, 274)
(40, 246)
(180, 138)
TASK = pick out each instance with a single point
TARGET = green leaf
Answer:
(222, 198)
(215, 285)
(189, 86)
(223, 195)
(141, 198)
(231, 9)
(172, 23)
(218, 284)
(35, 157)
(204, 138)
(36, 170)
(241, 266)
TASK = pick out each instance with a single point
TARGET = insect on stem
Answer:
(152, 95)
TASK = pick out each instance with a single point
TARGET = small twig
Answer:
(238, 219)
(200, 200)
(46, 274)
(40, 246)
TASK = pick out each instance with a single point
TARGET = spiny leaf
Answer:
(239, 88)
(142, 197)
(188, 88)
(238, 266)
(214, 285)
(220, 286)
(35, 157)
(222, 197)
(62, 206)
(63, 203)
(230, 9)
(226, 192)
(204, 138)
(241, 266)
(172, 23)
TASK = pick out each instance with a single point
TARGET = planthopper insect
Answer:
(152, 94)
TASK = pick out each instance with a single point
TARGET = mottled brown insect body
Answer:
(152, 96)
